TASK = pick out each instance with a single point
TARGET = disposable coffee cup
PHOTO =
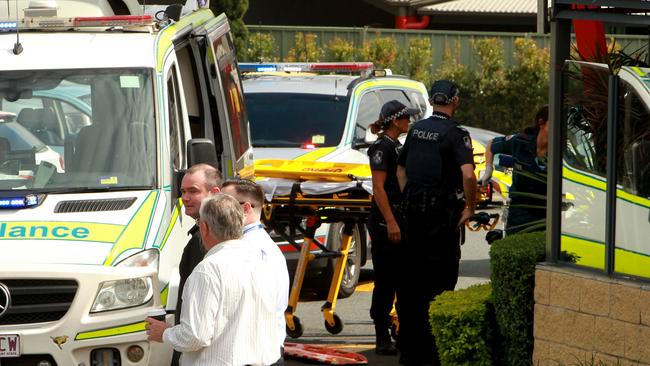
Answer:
(158, 314)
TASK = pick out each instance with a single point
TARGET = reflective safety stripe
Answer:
(592, 254)
(166, 36)
(315, 154)
(111, 332)
(164, 294)
(135, 234)
(638, 71)
(589, 181)
(631, 263)
(172, 223)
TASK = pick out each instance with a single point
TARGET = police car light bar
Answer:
(13, 203)
(78, 22)
(7, 26)
(343, 67)
(113, 21)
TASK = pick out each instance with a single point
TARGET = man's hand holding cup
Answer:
(156, 324)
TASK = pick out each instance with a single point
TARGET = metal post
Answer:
(560, 42)
(542, 16)
(610, 216)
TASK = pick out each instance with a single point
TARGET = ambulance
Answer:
(584, 220)
(130, 95)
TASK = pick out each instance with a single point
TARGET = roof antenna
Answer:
(336, 84)
(18, 48)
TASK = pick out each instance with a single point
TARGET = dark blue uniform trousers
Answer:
(429, 265)
(386, 269)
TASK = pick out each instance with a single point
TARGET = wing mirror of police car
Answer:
(362, 142)
(368, 139)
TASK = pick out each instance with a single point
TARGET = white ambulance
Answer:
(130, 100)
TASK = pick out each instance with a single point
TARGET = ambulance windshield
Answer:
(77, 129)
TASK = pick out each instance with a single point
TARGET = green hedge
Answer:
(513, 262)
(462, 321)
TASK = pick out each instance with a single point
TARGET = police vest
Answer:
(430, 159)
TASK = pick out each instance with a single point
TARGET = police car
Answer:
(321, 112)
(131, 99)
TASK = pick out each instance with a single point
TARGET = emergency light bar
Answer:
(14, 203)
(77, 22)
(341, 67)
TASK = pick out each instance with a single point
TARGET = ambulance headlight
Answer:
(120, 294)
(145, 258)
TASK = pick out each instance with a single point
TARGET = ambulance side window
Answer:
(175, 131)
(634, 142)
(231, 83)
(369, 107)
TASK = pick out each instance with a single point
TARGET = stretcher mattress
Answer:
(279, 177)
(279, 187)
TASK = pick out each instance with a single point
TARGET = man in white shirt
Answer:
(229, 313)
(251, 197)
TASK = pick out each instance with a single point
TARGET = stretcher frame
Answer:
(351, 207)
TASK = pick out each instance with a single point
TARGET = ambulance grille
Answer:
(38, 300)
(113, 204)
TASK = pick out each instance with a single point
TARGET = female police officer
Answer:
(527, 208)
(436, 170)
(383, 222)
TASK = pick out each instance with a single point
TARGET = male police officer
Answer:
(435, 170)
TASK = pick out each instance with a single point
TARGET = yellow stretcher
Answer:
(319, 192)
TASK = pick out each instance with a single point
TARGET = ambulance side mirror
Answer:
(201, 151)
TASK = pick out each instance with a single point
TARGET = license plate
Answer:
(9, 345)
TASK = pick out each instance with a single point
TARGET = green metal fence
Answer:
(458, 42)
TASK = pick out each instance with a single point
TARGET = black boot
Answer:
(384, 345)
(385, 348)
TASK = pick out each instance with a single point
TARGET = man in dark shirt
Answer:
(436, 173)
(528, 149)
(199, 182)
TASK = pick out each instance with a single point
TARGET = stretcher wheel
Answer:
(296, 332)
(337, 327)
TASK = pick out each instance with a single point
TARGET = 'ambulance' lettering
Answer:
(7, 230)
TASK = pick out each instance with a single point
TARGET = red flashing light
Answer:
(113, 21)
(341, 67)
(308, 146)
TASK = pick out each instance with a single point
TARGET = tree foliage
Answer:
(305, 49)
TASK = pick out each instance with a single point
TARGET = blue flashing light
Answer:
(266, 68)
(253, 67)
(7, 26)
(18, 202)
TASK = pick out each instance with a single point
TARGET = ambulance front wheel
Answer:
(337, 327)
(297, 330)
